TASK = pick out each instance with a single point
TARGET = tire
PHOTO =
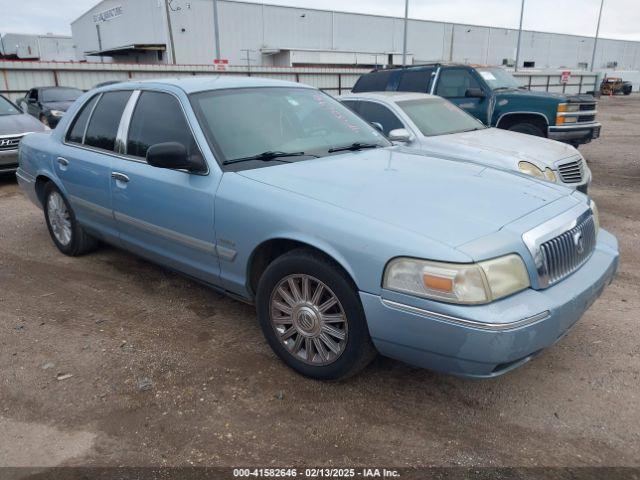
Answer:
(528, 128)
(306, 350)
(65, 231)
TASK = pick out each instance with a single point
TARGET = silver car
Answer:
(436, 126)
(14, 124)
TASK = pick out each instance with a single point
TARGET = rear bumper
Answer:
(8, 161)
(28, 185)
(488, 340)
(581, 133)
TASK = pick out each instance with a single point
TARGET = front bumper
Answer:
(8, 161)
(578, 133)
(487, 340)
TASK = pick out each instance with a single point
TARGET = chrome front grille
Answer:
(564, 254)
(572, 172)
(10, 142)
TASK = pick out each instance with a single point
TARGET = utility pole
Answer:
(406, 24)
(172, 45)
(595, 42)
(216, 26)
(519, 35)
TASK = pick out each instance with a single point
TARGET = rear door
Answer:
(163, 214)
(454, 83)
(85, 161)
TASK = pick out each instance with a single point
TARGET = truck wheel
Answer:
(528, 128)
(311, 315)
(65, 231)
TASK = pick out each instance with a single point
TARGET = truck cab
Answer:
(496, 98)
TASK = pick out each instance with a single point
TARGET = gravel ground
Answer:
(107, 360)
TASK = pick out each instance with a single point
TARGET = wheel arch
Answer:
(267, 251)
(511, 118)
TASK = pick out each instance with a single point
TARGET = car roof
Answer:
(202, 83)
(391, 96)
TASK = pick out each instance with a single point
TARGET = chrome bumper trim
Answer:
(495, 327)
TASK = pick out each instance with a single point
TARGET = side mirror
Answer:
(173, 155)
(399, 135)
(378, 126)
(474, 93)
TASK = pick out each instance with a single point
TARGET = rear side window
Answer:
(104, 123)
(416, 80)
(76, 133)
(373, 82)
(158, 118)
(374, 112)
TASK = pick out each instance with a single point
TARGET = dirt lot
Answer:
(166, 372)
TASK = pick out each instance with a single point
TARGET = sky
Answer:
(620, 18)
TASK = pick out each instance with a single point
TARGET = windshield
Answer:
(60, 95)
(436, 116)
(7, 108)
(498, 78)
(247, 122)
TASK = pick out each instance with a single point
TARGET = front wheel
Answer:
(311, 315)
(528, 128)
(65, 231)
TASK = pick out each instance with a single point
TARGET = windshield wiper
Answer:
(267, 156)
(354, 147)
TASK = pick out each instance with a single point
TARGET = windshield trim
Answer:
(220, 158)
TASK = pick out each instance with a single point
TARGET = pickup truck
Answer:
(496, 98)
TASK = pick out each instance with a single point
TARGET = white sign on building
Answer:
(107, 14)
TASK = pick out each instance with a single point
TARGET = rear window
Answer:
(373, 82)
(104, 123)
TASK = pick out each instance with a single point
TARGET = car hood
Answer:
(499, 148)
(62, 106)
(446, 200)
(20, 123)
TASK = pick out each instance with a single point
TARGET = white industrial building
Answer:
(258, 34)
(46, 48)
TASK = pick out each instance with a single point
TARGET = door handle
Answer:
(63, 161)
(121, 177)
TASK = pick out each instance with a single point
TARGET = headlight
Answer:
(568, 107)
(470, 283)
(534, 171)
(550, 175)
(57, 113)
(596, 214)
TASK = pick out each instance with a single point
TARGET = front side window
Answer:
(376, 113)
(7, 108)
(158, 118)
(245, 122)
(435, 116)
(104, 123)
(454, 82)
(60, 95)
(76, 133)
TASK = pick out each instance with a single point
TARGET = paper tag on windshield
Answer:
(487, 75)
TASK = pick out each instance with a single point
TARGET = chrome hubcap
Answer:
(59, 218)
(309, 319)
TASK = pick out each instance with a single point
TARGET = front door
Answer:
(454, 85)
(165, 215)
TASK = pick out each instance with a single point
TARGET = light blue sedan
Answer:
(278, 195)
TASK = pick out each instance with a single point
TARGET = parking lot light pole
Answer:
(519, 36)
(595, 42)
(404, 41)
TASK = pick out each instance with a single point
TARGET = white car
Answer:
(434, 125)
